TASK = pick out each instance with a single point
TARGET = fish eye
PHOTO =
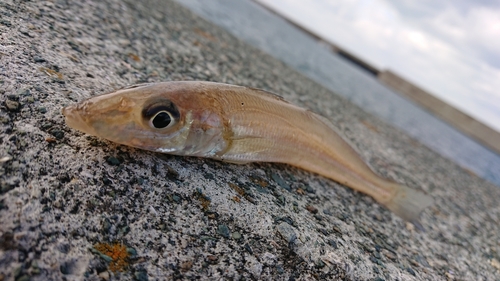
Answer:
(160, 114)
(161, 120)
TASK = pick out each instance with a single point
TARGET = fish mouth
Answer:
(74, 119)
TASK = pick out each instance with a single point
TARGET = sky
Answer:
(450, 48)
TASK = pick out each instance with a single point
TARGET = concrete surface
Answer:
(74, 207)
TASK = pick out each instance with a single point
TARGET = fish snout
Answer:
(67, 110)
(75, 118)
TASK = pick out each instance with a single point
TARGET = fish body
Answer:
(239, 125)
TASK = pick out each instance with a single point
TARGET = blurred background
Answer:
(430, 68)
(450, 48)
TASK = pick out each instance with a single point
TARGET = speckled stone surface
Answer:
(75, 207)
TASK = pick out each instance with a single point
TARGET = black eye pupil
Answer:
(161, 120)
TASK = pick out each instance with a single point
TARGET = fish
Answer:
(239, 125)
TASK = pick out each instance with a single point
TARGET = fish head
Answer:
(162, 117)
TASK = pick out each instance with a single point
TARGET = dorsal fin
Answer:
(268, 94)
(134, 86)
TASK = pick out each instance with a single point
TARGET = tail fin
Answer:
(408, 203)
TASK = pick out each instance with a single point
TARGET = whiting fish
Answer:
(238, 125)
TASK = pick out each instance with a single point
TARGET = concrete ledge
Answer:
(465, 123)
(75, 207)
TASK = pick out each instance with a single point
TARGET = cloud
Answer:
(472, 31)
